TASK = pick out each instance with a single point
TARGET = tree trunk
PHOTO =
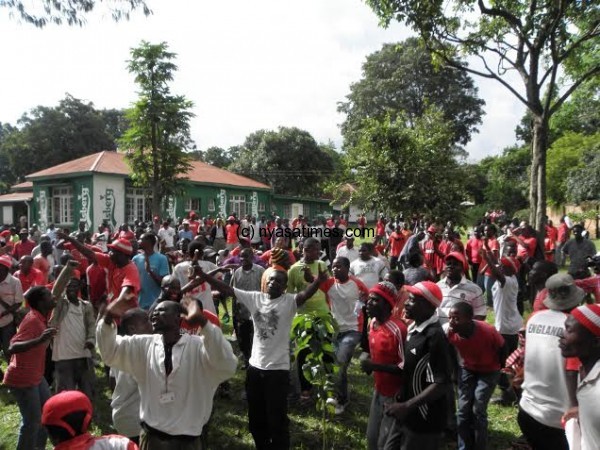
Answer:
(537, 190)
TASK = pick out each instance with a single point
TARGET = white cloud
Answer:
(245, 65)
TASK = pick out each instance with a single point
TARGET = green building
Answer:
(97, 188)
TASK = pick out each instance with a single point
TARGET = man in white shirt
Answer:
(168, 235)
(548, 377)
(173, 409)
(125, 402)
(581, 339)
(456, 288)
(267, 377)
(348, 250)
(11, 298)
(367, 268)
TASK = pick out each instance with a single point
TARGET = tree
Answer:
(401, 79)
(289, 160)
(583, 183)
(408, 168)
(159, 129)
(47, 136)
(216, 156)
(535, 39)
(73, 12)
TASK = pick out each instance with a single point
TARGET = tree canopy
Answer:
(289, 160)
(535, 39)
(401, 79)
(159, 130)
(73, 12)
(47, 136)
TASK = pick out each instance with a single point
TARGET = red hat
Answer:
(432, 229)
(428, 290)
(386, 291)
(513, 263)
(5, 233)
(230, 218)
(96, 249)
(589, 317)
(122, 245)
(63, 404)
(459, 257)
(6, 261)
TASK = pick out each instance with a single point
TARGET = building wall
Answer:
(215, 200)
(108, 202)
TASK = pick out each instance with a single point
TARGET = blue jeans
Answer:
(345, 344)
(474, 392)
(32, 435)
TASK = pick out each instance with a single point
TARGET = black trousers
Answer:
(540, 436)
(266, 391)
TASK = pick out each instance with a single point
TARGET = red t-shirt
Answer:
(194, 225)
(35, 277)
(380, 228)
(231, 231)
(522, 252)
(26, 369)
(431, 259)
(473, 250)
(552, 232)
(386, 343)
(563, 233)
(97, 280)
(42, 264)
(549, 249)
(397, 241)
(495, 249)
(77, 256)
(23, 248)
(120, 277)
(480, 351)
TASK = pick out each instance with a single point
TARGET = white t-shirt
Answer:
(545, 396)
(508, 318)
(350, 253)
(465, 291)
(69, 342)
(342, 301)
(11, 293)
(588, 394)
(369, 272)
(254, 233)
(202, 292)
(272, 319)
(167, 235)
(125, 404)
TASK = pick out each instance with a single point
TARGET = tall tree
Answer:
(47, 136)
(159, 128)
(536, 39)
(217, 157)
(289, 160)
(401, 79)
(583, 184)
(408, 168)
(73, 12)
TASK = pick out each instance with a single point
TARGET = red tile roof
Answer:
(114, 163)
(16, 197)
(27, 185)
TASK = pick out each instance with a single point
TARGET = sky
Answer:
(246, 65)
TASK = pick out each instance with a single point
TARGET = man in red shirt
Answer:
(194, 223)
(387, 335)
(433, 256)
(123, 276)
(473, 252)
(563, 235)
(29, 275)
(25, 373)
(25, 246)
(526, 241)
(395, 246)
(231, 231)
(481, 348)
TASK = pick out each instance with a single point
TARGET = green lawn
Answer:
(228, 426)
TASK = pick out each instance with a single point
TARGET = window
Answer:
(287, 211)
(192, 204)
(237, 204)
(137, 205)
(211, 205)
(62, 205)
(261, 207)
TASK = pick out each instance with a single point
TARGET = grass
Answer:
(228, 428)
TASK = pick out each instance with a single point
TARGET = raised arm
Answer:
(86, 252)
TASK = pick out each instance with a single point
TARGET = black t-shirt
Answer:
(427, 361)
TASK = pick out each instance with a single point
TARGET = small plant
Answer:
(316, 333)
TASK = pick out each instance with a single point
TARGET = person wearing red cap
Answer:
(456, 288)
(581, 339)
(67, 417)
(123, 276)
(386, 346)
(421, 409)
(482, 350)
(75, 340)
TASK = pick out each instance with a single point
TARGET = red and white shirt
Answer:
(342, 298)
(386, 344)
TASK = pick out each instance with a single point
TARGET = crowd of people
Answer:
(147, 303)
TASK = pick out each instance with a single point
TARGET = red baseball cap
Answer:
(63, 404)
(428, 290)
(6, 261)
(459, 257)
(122, 245)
